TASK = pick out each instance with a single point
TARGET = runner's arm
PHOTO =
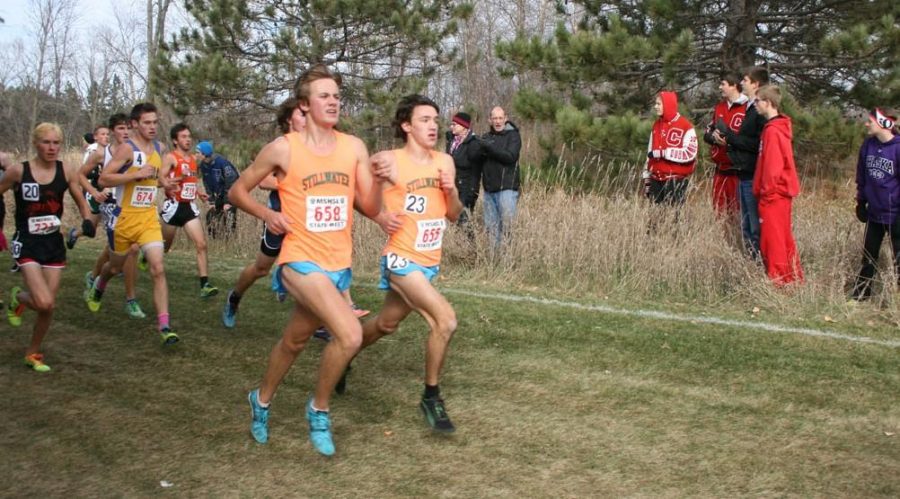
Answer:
(111, 176)
(13, 174)
(93, 160)
(369, 179)
(268, 161)
(73, 179)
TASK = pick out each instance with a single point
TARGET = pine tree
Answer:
(247, 55)
(608, 58)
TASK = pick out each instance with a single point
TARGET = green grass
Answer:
(548, 401)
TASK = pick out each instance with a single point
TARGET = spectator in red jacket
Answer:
(729, 114)
(671, 153)
(775, 185)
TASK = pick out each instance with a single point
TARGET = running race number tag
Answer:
(415, 204)
(143, 196)
(396, 262)
(31, 191)
(430, 233)
(47, 224)
(326, 213)
(189, 190)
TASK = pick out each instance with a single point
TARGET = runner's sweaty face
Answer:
(48, 146)
(324, 107)
(102, 136)
(297, 121)
(423, 126)
(120, 133)
(147, 126)
(183, 141)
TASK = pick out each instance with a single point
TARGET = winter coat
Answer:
(776, 172)
(469, 161)
(878, 179)
(673, 138)
(501, 164)
(730, 115)
(743, 145)
(218, 175)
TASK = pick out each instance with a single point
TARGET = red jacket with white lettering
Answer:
(673, 143)
(732, 115)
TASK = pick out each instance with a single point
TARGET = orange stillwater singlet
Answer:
(317, 197)
(418, 195)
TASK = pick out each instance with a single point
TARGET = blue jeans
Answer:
(499, 213)
(749, 217)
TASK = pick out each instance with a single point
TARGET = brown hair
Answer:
(770, 94)
(284, 113)
(315, 72)
(758, 74)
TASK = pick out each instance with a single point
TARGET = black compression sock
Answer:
(204, 280)
(234, 298)
(432, 391)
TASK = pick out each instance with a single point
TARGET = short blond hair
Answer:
(770, 94)
(43, 129)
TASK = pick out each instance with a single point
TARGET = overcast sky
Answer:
(15, 13)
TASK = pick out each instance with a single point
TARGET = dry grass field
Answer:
(550, 400)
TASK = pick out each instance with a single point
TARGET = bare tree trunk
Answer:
(156, 32)
(739, 46)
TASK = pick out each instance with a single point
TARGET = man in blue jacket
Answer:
(500, 176)
(218, 175)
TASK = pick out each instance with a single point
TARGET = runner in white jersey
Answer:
(105, 203)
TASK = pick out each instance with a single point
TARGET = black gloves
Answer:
(88, 228)
(862, 214)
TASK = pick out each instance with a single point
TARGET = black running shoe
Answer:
(322, 334)
(341, 385)
(72, 238)
(436, 415)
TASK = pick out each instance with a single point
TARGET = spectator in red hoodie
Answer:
(775, 185)
(671, 153)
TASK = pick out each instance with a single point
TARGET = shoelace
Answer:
(319, 421)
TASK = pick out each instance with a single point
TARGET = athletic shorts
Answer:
(178, 214)
(97, 207)
(134, 228)
(402, 266)
(270, 245)
(48, 251)
(340, 278)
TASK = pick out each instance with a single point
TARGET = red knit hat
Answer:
(463, 120)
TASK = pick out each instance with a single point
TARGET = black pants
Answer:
(875, 233)
(221, 222)
(468, 199)
(671, 192)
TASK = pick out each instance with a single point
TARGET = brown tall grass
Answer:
(593, 243)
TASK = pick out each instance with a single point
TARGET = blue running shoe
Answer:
(229, 312)
(319, 430)
(259, 422)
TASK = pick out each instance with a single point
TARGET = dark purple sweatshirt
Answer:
(878, 179)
